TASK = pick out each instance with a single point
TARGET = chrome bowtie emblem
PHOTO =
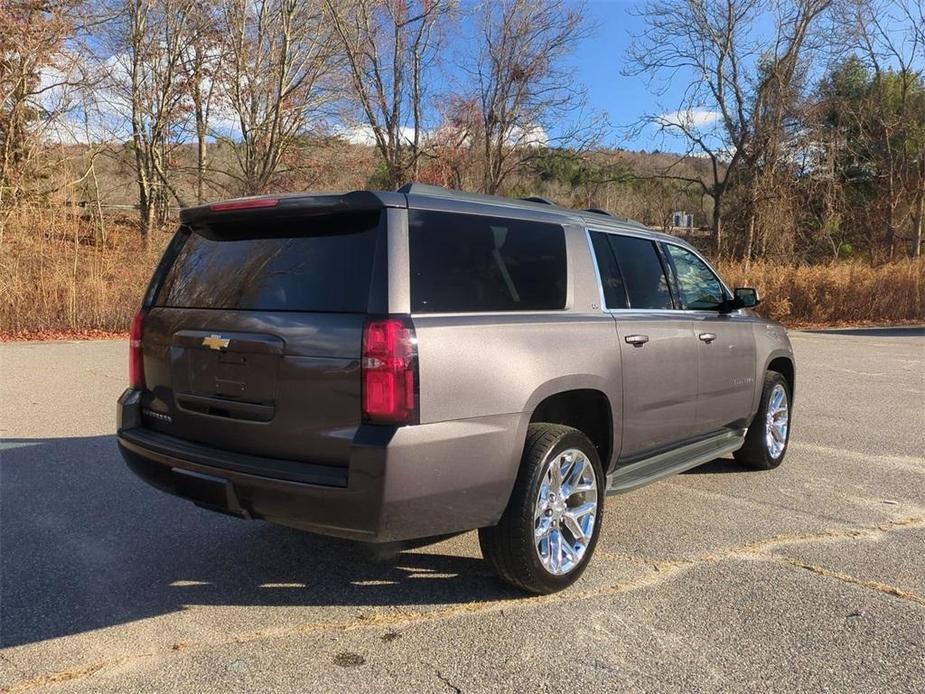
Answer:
(215, 342)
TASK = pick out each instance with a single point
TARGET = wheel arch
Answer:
(783, 364)
(587, 409)
(541, 403)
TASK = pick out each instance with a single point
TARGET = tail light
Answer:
(390, 365)
(136, 369)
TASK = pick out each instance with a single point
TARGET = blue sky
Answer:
(598, 60)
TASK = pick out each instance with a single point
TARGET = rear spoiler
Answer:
(269, 207)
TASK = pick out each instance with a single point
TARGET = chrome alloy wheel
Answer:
(777, 422)
(565, 511)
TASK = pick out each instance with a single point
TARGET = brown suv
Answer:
(389, 366)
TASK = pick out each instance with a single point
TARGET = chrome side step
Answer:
(639, 474)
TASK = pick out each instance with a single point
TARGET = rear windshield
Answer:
(305, 266)
(472, 263)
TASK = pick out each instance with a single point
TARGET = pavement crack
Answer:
(878, 586)
(868, 532)
(16, 667)
(405, 617)
(60, 677)
(447, 682)
(792, 509)
(767, 546)
(71, 674)
(904, 462)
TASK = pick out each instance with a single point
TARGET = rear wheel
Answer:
(548, 532)
(769, 433)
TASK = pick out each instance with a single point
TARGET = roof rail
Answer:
(428, 189)
(439, 191)
(423, 189)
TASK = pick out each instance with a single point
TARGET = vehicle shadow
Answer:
(720, 466)
(895, 331)
(87, 545)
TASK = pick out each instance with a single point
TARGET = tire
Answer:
(763, 450)
(510, 546)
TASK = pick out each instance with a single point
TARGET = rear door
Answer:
(726, 343)
(659, 355)
(253, 340)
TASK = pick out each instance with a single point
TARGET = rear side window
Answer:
(288, 269)
(646, 283)
(611, 279)
(471, 263)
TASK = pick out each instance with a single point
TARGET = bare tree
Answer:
(147, 40)
(740, 84)
(390, 48)
(201, 65)
(890, 38)
(522, 85)
(277, 80)
(449, 157)
(40, 73)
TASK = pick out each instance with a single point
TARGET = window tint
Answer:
(296, 272)
(611, 279)
(642, 271)
(699, 287)
(466, 263)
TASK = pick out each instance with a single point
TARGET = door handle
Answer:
(707, 337)
(636, 340)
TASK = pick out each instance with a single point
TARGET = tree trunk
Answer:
(145, 211)
(101, 225)
(717, 223)
(395, 171)
(919, 219)
(752, 219)
(749, 244)
(891, 228)
(200, 158)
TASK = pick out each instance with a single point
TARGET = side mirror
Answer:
(746, 297)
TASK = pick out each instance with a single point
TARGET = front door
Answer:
(727, 370)
(725, 340)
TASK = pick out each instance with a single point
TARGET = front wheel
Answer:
(769, 433)
(548, 531)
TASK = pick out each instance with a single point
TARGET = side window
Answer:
(471, 263)
(611, 279)
(641, 267)
(699, 287)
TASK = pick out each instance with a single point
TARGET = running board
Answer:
(636, 475)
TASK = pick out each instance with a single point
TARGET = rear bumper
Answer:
(401, 483)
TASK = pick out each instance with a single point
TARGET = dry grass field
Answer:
(64, 274)
(851, 292)
(58, 275)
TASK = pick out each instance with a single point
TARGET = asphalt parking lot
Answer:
(809, 577)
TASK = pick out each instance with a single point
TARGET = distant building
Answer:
(682, 220)
(687, 225)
